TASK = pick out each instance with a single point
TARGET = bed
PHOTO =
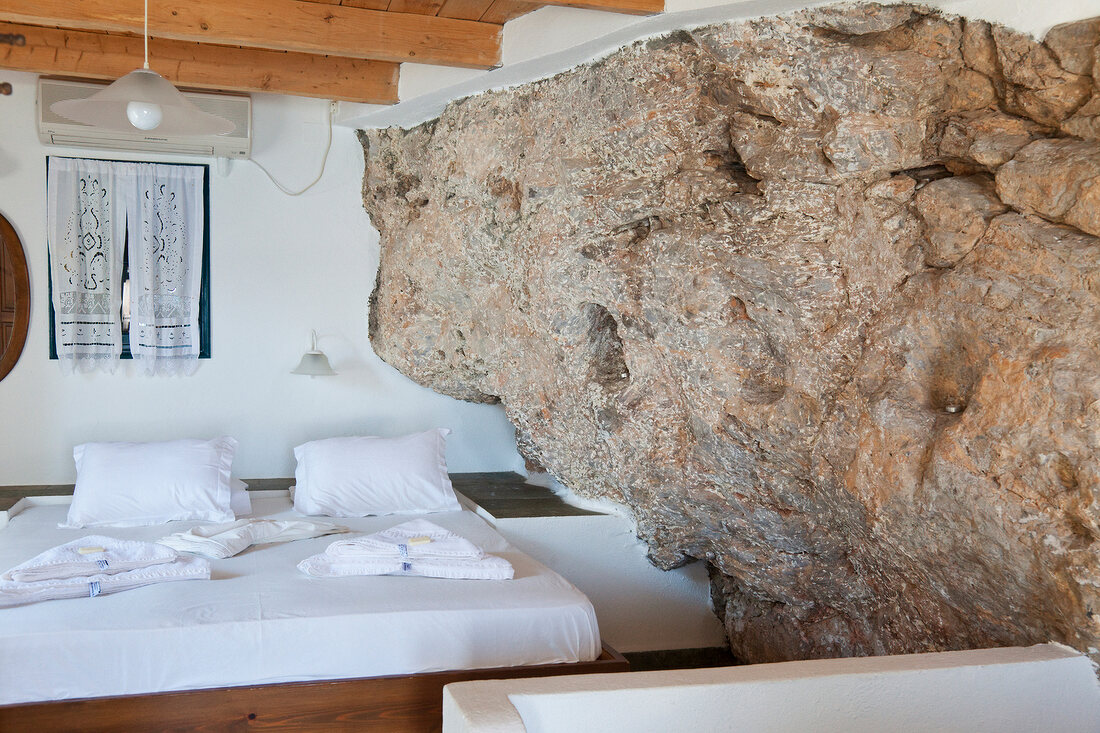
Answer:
(263, 645)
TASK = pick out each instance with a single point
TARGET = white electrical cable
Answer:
(146, 34)
(324, 162)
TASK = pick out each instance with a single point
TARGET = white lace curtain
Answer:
(92, 206)
(166, 215)
(86, 230)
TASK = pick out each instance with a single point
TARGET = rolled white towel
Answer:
(91, 555)
(226, 540)
(416, 548)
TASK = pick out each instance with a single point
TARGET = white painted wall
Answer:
(638, 607)
(279, 267)
(1046, 687)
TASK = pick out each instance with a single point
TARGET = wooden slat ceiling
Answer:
(332, 49)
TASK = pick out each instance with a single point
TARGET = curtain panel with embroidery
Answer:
(96, 210)
(166, 227)
(86, 228)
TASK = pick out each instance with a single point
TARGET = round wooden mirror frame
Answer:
(17, 259)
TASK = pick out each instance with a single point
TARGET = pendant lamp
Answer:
(143, 100)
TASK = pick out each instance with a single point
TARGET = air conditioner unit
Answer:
(54, 129)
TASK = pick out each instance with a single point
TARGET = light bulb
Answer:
(144, 115)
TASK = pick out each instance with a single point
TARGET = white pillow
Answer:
(240, 503)
(134, 484)
(354, 477)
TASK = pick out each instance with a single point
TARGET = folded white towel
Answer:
(407, 550)
(91, 555)
(418, 539)
(489, 567)
(226, 540)
(16, 593)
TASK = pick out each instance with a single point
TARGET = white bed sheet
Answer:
(259, 620)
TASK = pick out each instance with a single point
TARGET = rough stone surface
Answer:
(1085, 122)
(1036, 86)
(755, 281)
(1056, 179)
(1074, 45)
(985, 140)
(956, 212)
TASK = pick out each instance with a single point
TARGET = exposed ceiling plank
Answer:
(368, 4)
(636, 7)
(202, 66)
(502, 11)
(466, 9)
(423, 7)
(283, 25)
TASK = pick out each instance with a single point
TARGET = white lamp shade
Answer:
(315, 364)
(111, 108)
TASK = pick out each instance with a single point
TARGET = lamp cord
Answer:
(146, 35)
(324, 162)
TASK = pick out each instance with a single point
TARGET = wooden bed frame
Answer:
(396, 704)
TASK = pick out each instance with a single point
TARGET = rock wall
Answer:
(817, 296)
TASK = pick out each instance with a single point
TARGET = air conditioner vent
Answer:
(56, 130)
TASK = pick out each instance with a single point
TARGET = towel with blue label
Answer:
(96, 565)
(415, 548)
(90, 555)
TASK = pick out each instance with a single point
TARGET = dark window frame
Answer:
(204, 288)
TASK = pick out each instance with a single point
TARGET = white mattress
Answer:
(259, 620)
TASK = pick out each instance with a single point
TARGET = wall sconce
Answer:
(314, 363)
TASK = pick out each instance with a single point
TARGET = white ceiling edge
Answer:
(1022, 15)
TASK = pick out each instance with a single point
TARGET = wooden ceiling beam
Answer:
(280, 25)
(201, 66)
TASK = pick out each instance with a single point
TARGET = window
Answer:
(153, 212)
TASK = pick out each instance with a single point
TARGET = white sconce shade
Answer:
(314, 363)
(145, 100)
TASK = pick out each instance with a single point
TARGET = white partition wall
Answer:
(1046, 687)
